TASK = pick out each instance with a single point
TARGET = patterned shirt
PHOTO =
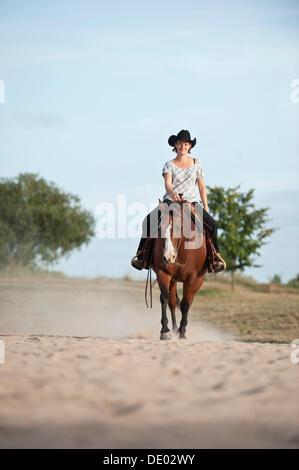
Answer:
(184, 180)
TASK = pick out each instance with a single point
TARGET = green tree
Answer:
(242, 227)
(276, 279)
(39, 223)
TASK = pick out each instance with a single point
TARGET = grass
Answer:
(252, 312)
(267, 313)
(211, 293)
(206, 293)
(25, 272)
(251, 315)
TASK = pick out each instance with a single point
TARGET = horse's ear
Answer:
(160, 202)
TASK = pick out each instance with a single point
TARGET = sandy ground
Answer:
(84, 368)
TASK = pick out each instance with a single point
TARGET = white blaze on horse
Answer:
(170, 253)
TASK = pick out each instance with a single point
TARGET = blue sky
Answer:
(93, 89)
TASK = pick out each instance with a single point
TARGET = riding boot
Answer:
(218, 265)
(137, 261)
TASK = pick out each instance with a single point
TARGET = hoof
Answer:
(165, 335)
(181, 335)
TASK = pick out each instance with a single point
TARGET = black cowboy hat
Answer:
(182, 135)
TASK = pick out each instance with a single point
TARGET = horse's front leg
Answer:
(164, 282)
(191, 286)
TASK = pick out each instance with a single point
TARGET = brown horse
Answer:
(174, 261)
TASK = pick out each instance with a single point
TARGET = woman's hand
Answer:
(175, 196)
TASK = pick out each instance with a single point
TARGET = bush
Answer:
(294, 282)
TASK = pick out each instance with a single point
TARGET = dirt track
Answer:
(128, 389)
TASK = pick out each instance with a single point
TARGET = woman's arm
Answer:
(168, 187)
(203, 193)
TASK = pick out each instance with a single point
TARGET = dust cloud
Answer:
(83, 307)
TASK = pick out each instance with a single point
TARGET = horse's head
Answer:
(170, 230)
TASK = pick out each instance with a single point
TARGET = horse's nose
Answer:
(170, 258)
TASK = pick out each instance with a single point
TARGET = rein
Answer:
(149, 280)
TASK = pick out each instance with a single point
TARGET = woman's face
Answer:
(182, 146)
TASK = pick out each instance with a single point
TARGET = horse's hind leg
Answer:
(172, 304)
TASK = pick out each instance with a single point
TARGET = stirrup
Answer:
(135, 258)
(138, 264)
(221, 259)
(137, 254)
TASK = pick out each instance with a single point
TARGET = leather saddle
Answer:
(149, 246)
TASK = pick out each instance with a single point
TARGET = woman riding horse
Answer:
(181, 175)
